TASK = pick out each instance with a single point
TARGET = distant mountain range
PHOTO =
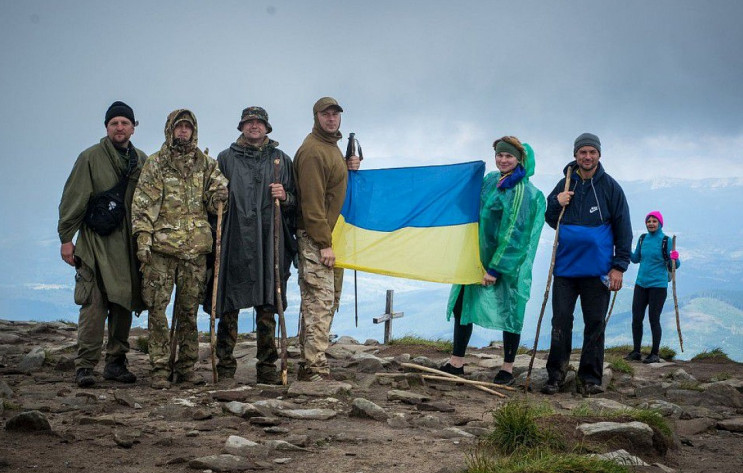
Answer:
(704, 214)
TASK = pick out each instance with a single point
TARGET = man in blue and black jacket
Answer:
(593, 253)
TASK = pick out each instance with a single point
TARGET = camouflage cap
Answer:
(257, 113)
(325, 103)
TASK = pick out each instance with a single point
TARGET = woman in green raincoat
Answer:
(511, 219)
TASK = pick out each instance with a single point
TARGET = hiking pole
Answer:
(351, 151)
(549, 282)
(173, 344)
(215, 285)
(675, 299)
(279, 300)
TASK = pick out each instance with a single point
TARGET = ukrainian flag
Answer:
(417, 223)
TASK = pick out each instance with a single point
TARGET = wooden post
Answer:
(388, 316)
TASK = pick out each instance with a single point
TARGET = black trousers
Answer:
(652, 298)
(594, 302)
(463, 333)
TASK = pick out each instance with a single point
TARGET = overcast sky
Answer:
(420, 81)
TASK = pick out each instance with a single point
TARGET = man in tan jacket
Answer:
(321, 176)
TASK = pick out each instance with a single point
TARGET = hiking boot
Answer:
(225, 373)
(591, 389)
(189, 377)
(268, 376)
(84, 377)
(449, 368)
(504, 377)
(652, 359)
(552, 387)
(633, 356)
(160, 379)
(117, 371)
(304, 374)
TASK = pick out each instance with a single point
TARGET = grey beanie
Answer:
(587, 139)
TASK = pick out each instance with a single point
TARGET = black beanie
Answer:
(587, 139)
(119, 109)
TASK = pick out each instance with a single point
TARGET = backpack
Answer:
(663, 249)
(106, 210)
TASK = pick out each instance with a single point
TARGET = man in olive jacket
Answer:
(321, 176)
(178, 186)
(107, 280)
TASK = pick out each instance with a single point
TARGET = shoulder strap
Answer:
(664, 249)
(639, 246)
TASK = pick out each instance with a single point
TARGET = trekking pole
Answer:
(279, 300)
(549, 282)
(353, 144)
(173, 344)
(215, 285)
(675, 299)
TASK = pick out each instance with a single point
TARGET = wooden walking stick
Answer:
(675, 299)
(279, 300)
(215, 285)
(549, 282)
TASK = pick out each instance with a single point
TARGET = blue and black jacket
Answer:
(595, 231)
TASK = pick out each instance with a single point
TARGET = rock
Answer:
(622, 457)
(338, 353)
(430, 422)
(490, 363)
(308, 414)
(652, 390)
(33, 360)
(407, 397)
(265, 421)
(123, 397)
(435, 406)
(366, 409)
(695, 412)
(398, 421)
(318, 389)
(370, 342)
(666, 409)
(242, 409)
(521, 364)
(232, 395)
(172, 412)
(425, 361)
(276, 430)
(282, 445)
(538, 379)
(299, 440)
(664, 468)
(346, 340)
(240, 446)
(722, 394)
(219, 463)
(640, 434)
(477, 431)
(732, 425)
(270, 407)
(5, 391)
(597, 404)
(202, 414)
(681, 375)
(370, 365)
(124, 440)
(9, 338)
(282, 461)
(31, 421)
(402, 358)
(454, 432)
(687, 428)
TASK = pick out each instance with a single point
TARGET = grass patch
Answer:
(721, 376)
(619, 364)
(716, 355)
(690, 385)
(142, 344)
(516, 428)
(667, 353)
(653, 418)
(541, 461)
(439, 344)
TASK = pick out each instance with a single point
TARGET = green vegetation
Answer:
(516, 428)
(439, 344)
(619, 364)
(715, 355)
(542, 461)
(142, 344)
(665, 352)
(721, 376)
(690, 385)
(649, 416)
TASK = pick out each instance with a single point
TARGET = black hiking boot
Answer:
(651, 359)
(268, 375)
(633, 356)
(504, 377)
(117, 371)
(591, 389)
(84, 377)
(551, 388)
(448, 368)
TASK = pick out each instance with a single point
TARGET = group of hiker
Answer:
(592, 251)
(145, 225)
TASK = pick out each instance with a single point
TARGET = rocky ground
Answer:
(362, 421)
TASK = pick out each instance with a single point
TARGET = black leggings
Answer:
(653, 298)
(462, 334)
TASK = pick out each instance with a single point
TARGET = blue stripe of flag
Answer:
(425, 196)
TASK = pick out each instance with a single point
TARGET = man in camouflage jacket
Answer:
(178, 186)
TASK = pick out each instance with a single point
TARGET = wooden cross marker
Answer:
(388, 316)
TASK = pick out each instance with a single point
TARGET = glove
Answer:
(221, 194)
(674, 255)
(144, 248)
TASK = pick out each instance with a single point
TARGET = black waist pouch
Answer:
(106, 210)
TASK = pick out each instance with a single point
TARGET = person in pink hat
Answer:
(654, 254)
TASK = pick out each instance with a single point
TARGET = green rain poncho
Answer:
(510, 224)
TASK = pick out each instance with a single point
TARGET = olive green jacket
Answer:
(113, 257)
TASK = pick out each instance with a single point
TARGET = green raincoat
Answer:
(510, 224)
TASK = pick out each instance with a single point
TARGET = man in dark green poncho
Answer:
(107, 281)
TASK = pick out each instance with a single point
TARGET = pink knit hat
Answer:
(656, 214)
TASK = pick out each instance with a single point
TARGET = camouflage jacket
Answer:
(174, 194)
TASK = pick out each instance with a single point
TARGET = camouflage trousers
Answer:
(94, 311)
(320, 288)
(189, 278)
(267, 353)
